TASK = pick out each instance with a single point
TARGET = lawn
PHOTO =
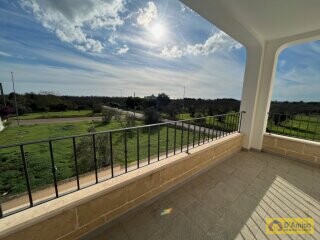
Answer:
(64, 114)
(300, 126)
(12, 178)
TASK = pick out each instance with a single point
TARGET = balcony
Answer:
(228, 201)
(223, 188)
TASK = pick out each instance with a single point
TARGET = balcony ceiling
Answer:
(264, 19)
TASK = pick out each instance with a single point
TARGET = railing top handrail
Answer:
(294, 113)
(112, 130)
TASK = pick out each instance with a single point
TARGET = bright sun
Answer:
(158, 31)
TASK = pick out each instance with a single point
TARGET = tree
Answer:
(151, 116)
(192, 111)
(108, 113)
(5, 111)
(96, 108)
(162, 100)
(127, 120)
(171, 110)
(84, 151)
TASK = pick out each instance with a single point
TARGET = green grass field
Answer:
(300, 126)
(64, 114)
(12, 178)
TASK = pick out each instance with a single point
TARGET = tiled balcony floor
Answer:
(229, 201)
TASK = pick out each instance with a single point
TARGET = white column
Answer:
(257, 93)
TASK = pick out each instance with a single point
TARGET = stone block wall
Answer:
(81, 217)
(303, 150)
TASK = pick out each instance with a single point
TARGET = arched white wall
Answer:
(256, 117)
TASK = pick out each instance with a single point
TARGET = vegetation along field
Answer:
(12, 178)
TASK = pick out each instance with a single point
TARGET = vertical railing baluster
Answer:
(182, 137)
(53, 168)
(111, 154)
(316, 128)
(158, 142)
(213, 129)
(25, 169)
(95, 157)
(194, 134)
(226, 124)
(209, 128)
(175, 138)
(271, 115)
(76, 161)
(298, 133)
(204, 131)
(199, 134)
(167, 141)
(305, 134)
(125, 151)
(285, 121)
(138, 149)
(240, 121)
(220, 127)
(279, 117)
(148, 145)
(231, 122)
(235, 117)
(292, 120)
(188, 137)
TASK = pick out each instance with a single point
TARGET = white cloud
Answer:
(147, 15)
(100, 78)
(72, 21)
(219, 41)
(182, 7)
(173, 52)
(123, 50)
(5, 54)
(282, 63)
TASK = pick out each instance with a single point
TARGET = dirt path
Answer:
(54, 120)
(26, 122)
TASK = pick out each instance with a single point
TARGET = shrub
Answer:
(151, 116)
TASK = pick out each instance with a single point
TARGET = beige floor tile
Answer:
(230, 201)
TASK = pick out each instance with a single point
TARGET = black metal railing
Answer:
(59, 166)
(297, 125)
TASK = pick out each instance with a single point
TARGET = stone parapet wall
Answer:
(303, 150)
(76, 214)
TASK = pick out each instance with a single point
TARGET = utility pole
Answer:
(2, 94)
(134, 104)
(15, 99)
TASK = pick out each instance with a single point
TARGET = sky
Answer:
(118, 47)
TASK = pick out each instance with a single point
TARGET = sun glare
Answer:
(158, 31)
